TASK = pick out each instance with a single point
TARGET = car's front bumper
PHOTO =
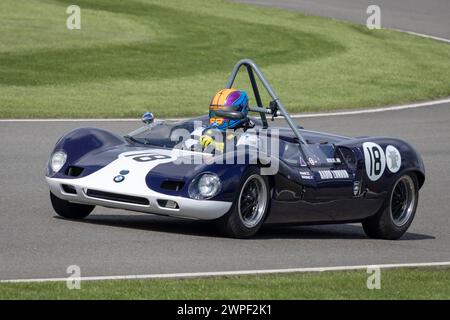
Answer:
(187, 208)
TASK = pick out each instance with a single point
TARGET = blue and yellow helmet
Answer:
(228, 100)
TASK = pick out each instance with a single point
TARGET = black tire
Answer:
(237, 223)
(70, 210)
(394, 218)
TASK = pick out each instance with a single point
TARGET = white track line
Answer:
(234, 273)
(306, 115)
(423, 35)
(374, 110)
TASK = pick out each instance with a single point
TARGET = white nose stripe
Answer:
(138, 165)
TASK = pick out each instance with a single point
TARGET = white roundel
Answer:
(375, 160)
(393, 159)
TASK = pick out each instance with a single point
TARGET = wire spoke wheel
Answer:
(252, 201)
(403, 200)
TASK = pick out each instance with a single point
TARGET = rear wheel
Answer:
(250, 206)
(398, 210)
(70, 210)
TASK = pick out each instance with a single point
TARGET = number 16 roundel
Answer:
(375, 160)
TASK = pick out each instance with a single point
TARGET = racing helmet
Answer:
(228, 100)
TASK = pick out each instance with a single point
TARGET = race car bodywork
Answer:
(319, 177)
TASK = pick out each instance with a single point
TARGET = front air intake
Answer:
(68, 189)
(117, 197)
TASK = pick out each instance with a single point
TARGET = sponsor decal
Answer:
(306, 175)
(375, 160)
(333, 160)
(333, 174)
(302, 162)
(393, 159)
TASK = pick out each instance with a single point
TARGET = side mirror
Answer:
(230, 114)
(148, 118)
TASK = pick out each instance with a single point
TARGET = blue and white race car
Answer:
(280, 175)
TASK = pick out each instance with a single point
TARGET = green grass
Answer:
(171, 56)
(425, 283)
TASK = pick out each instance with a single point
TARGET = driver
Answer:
(226, 100)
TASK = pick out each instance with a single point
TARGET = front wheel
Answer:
(398, 210)
(70, 210)
(250, 206)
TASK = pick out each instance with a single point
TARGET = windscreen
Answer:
(164, 134)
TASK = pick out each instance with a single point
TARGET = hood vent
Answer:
(172, 185)
(74, 171)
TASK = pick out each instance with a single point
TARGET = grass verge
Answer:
(171, 56)
(405, 283)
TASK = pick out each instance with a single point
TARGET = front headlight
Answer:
(205, 186)
(58, 160)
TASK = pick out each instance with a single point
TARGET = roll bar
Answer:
(275, 108)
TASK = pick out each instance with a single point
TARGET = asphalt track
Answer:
(34, 243)
(430, 17)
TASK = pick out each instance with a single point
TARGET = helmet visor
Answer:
(217, 121)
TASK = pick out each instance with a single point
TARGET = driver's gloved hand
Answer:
(206, 141)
